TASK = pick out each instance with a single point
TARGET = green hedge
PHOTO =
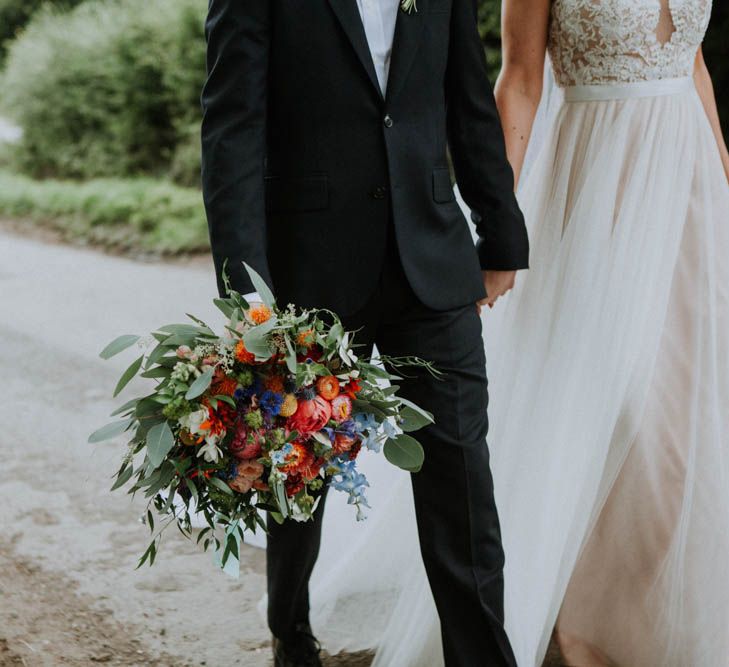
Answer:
(15, 15)
(109, 89)
(146, 216)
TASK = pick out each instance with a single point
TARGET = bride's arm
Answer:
(706, 92)
(524, 29)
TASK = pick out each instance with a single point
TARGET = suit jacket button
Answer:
(388, 121)
(379, 192)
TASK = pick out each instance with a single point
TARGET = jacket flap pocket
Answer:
(297, 193)
(442, 186)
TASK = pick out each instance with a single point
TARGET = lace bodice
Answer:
(606, 41)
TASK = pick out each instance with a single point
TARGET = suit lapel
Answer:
(408, 32)
(348, 15)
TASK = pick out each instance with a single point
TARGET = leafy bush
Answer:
(136, 215)
(15, 14)
(489, 26)
(108, 89)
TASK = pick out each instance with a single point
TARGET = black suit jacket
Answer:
(306, 163)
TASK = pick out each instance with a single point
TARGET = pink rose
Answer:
(310, 416)
(246, 444)
(250, 470)
(248, 473)
(184, 352)
(241, 484)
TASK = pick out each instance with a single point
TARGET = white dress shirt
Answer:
(379, 18)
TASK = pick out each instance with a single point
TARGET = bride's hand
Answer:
(497, 283)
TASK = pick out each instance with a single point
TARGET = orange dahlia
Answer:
(328, 387)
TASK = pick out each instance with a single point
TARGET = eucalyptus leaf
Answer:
(202, 382)
(125, 474)
(414, 406)
(280, 492)
(118, 345)
(215, 481)
(224, 306)
(256, 339)
(110, 431)
(290, 356)
(404, 452)
(191, 488)
(185, 329)
(160, 441)
(260, 286)
(128, 375)
(177, 339)
(226, 399)
(335, 333)
(159, 351)
(157, 372)
(413, 420)
(129, 405)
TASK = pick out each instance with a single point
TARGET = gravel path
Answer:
(69, 594)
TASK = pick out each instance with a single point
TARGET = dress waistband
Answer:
(625, 91)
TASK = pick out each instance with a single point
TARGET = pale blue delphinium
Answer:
(372, 442)
(389, 429)
(366, 422)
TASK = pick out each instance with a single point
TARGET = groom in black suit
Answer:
(325, 168)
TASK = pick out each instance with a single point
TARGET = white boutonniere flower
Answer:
(409, 6)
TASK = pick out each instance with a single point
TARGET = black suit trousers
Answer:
(456, 513)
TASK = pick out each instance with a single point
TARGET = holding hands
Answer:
(497, 284)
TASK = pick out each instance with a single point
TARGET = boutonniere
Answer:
(409, 6)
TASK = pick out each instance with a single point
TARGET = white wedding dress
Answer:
(609, 367)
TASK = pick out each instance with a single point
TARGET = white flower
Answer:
(192, 422)
(210, 450)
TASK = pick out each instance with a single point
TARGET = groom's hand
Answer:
(497, 283)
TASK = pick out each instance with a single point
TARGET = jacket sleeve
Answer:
(234, 137)
(476, 143)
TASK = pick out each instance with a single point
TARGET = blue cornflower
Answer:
(270, 402)
(253, 389)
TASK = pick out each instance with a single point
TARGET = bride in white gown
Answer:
(609, 367)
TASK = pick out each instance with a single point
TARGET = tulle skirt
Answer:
(609, 376)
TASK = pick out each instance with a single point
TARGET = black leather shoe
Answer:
(300, 650)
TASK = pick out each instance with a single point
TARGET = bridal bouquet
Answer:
(259, 418)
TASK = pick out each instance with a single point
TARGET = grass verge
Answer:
(130, 216)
